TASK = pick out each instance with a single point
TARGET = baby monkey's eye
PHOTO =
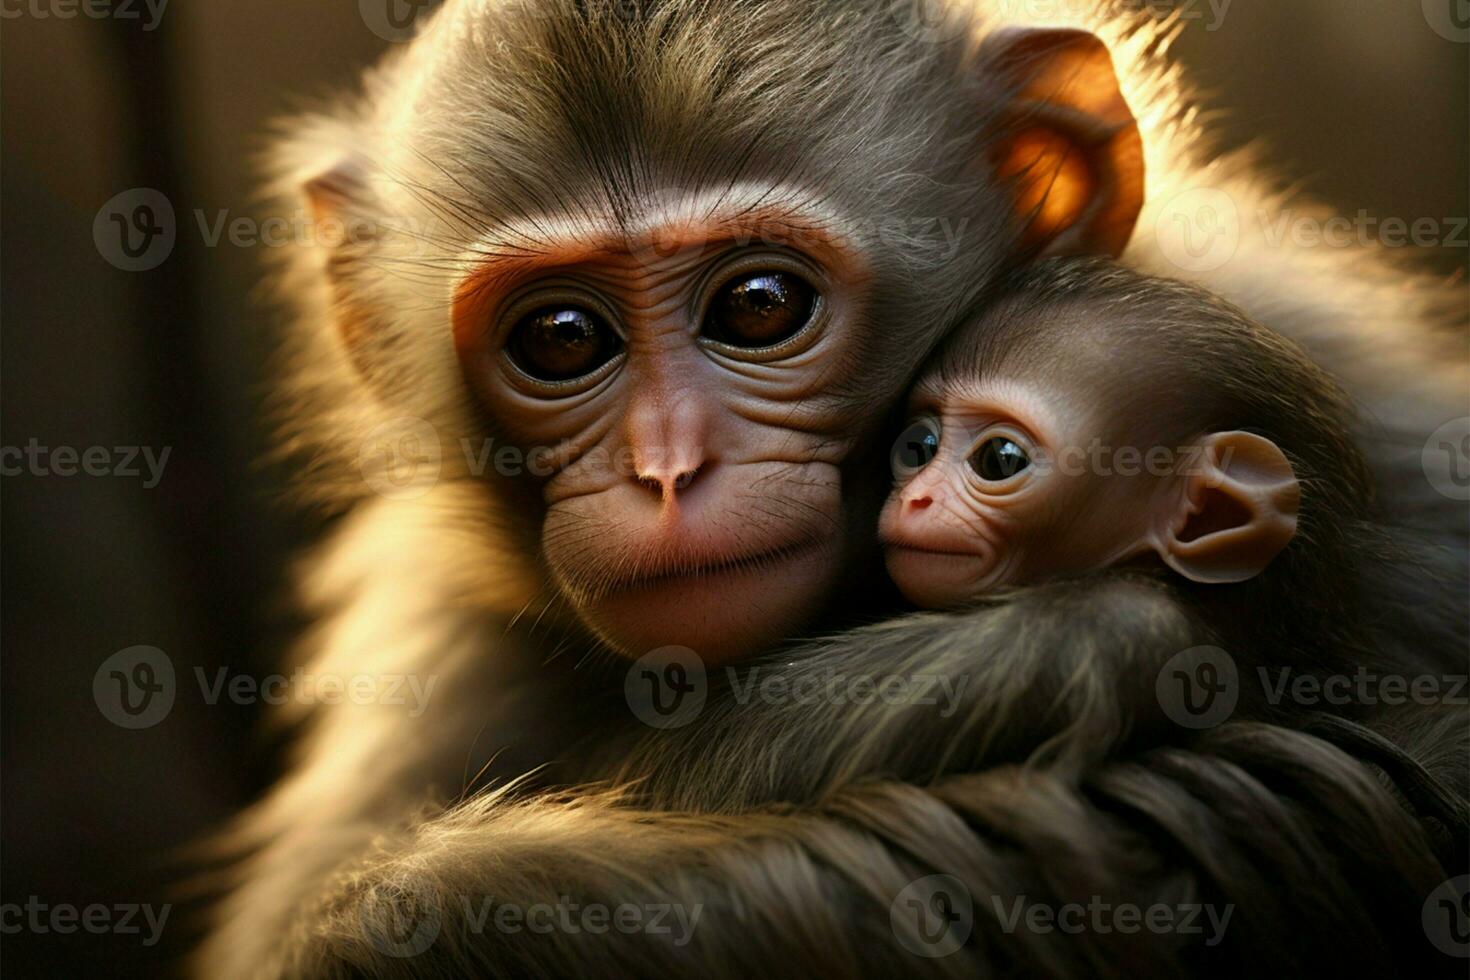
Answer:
(998, 459)
(916, 447)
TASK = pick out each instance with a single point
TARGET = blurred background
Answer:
(1364, 100)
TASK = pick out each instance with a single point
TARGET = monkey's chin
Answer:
(939, 579)
(723, 613)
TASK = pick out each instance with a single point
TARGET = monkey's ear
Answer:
(1236, 512)
(338, 200)
(1072, 147)
(335, 198)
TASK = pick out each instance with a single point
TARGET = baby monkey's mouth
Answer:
(937, 574)
(916, 549)
(920, 545)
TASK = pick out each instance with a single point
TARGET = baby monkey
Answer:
(1094, 417)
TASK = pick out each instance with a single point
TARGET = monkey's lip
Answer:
(722, 604)
(934, 576)
(906, 546)
(747, 564)
(933, 552)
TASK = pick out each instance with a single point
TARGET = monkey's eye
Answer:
(916, 447)
(562, 344)
(761, 310)
(998, 459)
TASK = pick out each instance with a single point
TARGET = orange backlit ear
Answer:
(1074, 154)
(1236, 512)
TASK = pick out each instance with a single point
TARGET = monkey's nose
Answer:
(668, 482)
(919, 503)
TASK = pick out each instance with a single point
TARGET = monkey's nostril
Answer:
(919, 503)
(679, 481)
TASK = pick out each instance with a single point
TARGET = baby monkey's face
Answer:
(999, 483)
(1002, 485)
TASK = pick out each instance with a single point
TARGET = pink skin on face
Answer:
(954, 529)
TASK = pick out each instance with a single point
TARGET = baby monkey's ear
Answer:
(1235, 510)
(1073, 149)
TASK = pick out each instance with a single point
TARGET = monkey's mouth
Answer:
(920, 552)
(677, 572)
(723, 606)
(935, 577)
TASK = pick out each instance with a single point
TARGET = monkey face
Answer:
(695, 405)
(990, 493)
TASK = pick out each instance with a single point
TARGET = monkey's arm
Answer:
(592, 887)
(1066, 670)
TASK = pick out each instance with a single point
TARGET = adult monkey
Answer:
(653, 237)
